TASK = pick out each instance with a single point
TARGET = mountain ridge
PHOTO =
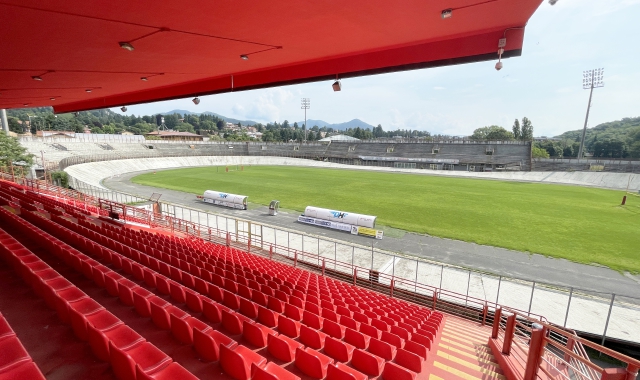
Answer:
(354, 123)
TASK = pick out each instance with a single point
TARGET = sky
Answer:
(543, 84)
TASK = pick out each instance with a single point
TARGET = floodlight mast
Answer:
(590, 79)
(306, 104)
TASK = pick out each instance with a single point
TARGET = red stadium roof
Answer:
(187, 48)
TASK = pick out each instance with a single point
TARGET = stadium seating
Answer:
(245, 312)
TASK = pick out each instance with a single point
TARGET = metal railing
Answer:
(535, 346)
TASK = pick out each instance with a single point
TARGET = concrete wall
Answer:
(93, 173)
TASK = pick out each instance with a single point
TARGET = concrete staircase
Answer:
(462, 352)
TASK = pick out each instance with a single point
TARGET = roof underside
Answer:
(73, 45)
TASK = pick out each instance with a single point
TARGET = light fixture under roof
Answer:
(26, 104)
(88, 90)
(245, 57)
(446, 13)
(123, 108)
(144, 79)
(52, 98)
(196, 100)
(37, 77)
(126, 46)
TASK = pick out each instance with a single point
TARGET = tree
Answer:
(527, 130)
(11, 152)
(537, 152)
(220, 124)
(493, 132)
(14, 125)
(517, 132)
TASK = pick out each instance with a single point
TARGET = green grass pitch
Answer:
(586, 225)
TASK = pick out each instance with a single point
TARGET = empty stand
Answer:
(241, 314)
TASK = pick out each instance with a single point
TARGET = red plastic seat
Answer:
(25, 370)
(312, 338)
(333, 329)
(141, 301)
(121, 336)
(170, 372)
(180, 327)
(248, 308)
(312, 320)
(215, 293)
(207, 343)
(356, 338)
(409, 360)
(330, 315)
(367, 363)
(231, 321)
(282, 347)
(12, 354)
(237, 361)
(272, 371)
(149, 277)
(288, 327)
(159, 312)
(231, 300)
(293, 312)
(392, 371)
(193, 300)
(64, 299)
(201, 285)
(78, 311)
(421, 339)
(392, 339)
(312, 363)
(125, 291)
(260, 298)
(267, 317)
(340, 371)
(176, 290)
(255, 333)
(275, 305)
(416, 348)
(338, 350)
(162, 284)
(380, 325)
(211, 310)
(147, 356)
(382, 349)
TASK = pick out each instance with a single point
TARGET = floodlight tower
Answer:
(306, 104)
(590, 79)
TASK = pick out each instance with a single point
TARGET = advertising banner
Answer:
(364, 231)
(324, 223)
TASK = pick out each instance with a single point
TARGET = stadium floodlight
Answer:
(590, 79)
(306, 104)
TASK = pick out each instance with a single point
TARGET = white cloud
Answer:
(544, 84)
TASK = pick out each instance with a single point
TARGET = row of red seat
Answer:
(293, 328)
(236, 360)
(130, 355)
(334, 297)
(50, 204)
(297, 314)
(15, 362)
(395, 323)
